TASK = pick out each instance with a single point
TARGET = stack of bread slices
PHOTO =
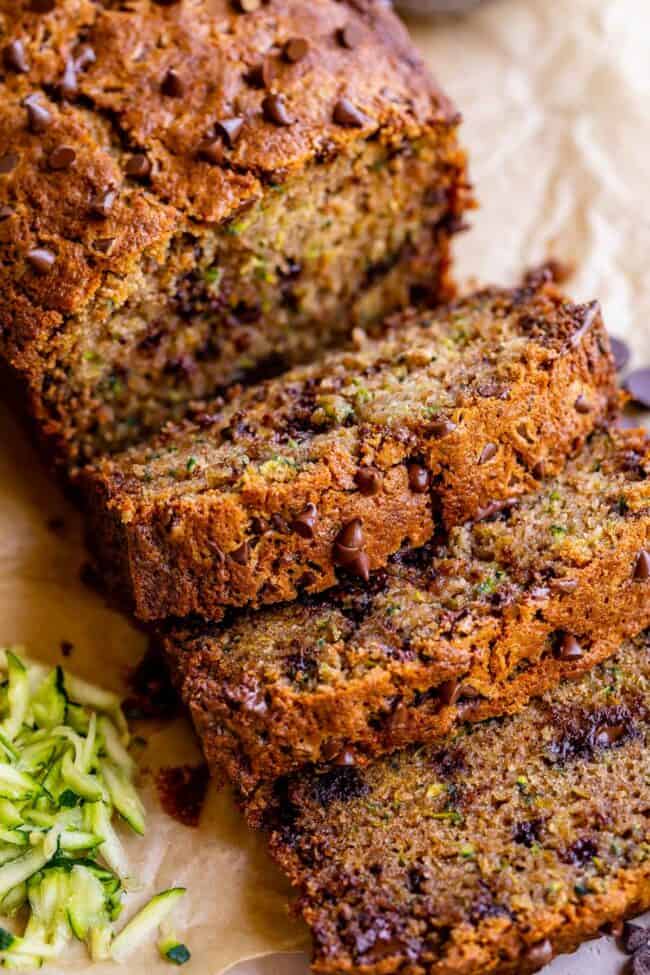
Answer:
(395, 543)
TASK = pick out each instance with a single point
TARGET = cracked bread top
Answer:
(123, 122)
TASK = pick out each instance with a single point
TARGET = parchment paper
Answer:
(556, 99)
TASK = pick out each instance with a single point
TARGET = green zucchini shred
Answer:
(65, 775)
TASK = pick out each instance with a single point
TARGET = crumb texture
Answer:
(516, 840)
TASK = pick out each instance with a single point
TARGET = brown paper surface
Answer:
(555, 98)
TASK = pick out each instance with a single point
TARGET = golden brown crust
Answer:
(460, 410)
(509, 844)
(99, 71)
(458, 632)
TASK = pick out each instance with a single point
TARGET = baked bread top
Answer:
(123, 122)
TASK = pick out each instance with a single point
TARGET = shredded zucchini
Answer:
(65, 775)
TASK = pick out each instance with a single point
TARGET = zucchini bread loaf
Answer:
(460, 630)
(514, 841)
(198, 192)
(336, 465)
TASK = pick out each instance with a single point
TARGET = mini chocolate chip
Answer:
(230, 129)
(351, 535)
(41, 259)
(5, 213)
(295, 49)
(351, 35)
(68, 84)
(248, 6)
(358, 564)
(84, 56)
(620, 351)
(368, 481)
(42, 6)
(568, 648)
(608, 735)
(102, 204)
(441, 428)
(539, 470)
(39, 118)
(640, 964)
(62, 157)
(138, 166)
(563, 585)
(488, 452)
(449, 692)
(582, 404)
(540, 954)
(103, 244)
(15, 58)
(419, 478)
(642, 566)
(262, 74)
(172, 85)
(211, 151)
(8, 162)
(348, 115)
(635, 936)
(241, 555)
(330, 749)
(275, 110)
(638, 386)
(304, 523)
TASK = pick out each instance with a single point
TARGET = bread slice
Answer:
(511, 842)
(333, 467)
(198, 194)
(461, 630)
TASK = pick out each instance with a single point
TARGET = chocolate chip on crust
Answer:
(305, 522)
(138, 166)
(241, 555)
(230, 129)
(419, 478)
(368, 480)
(295, 49)
(276, 111)
(568, 648)
(348, 115)
(39, 118)
(41, 259)
(62, 157)
(14, 57)
(172, 84)
(642, 566)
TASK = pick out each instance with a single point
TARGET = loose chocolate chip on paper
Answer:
(305, 522)
(14, 57)
(230, 128)
(638, 386)
(62, 157)
(620, 351)
(635, 936)
(275, 110)
(41, 259)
